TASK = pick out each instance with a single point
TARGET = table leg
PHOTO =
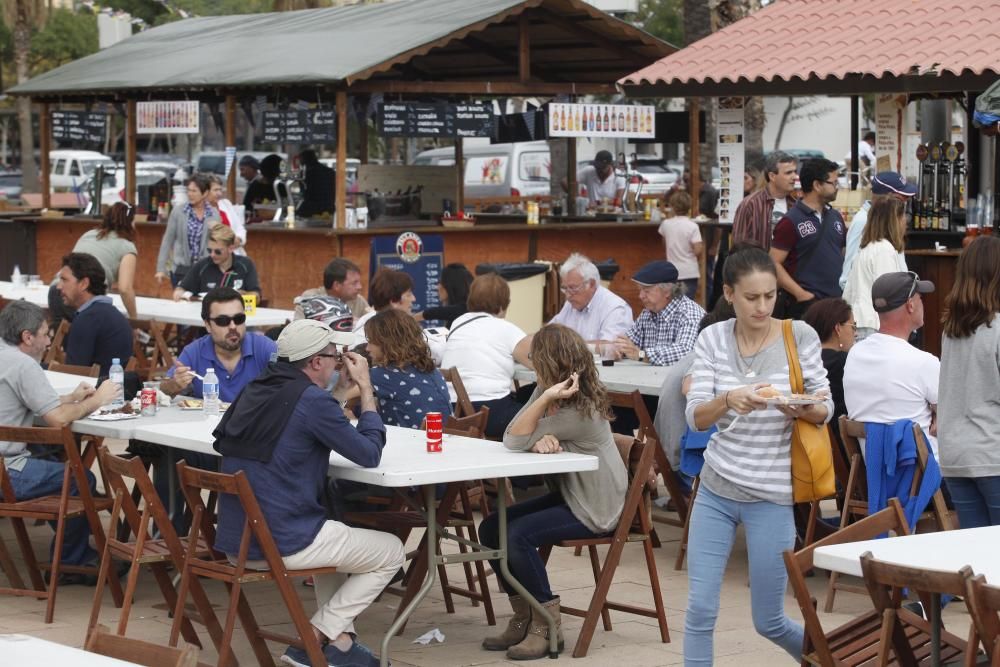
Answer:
(515, 584)
(168, 453)
(431, 536)
(934, 616)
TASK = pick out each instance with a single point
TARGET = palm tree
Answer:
(24, 16)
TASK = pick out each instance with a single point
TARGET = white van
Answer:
(498, 170)
(69, 169)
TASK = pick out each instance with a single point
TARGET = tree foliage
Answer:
(663, 19)
(66, 36)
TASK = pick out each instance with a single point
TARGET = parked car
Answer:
(657, 177)
(113, 187)
(10, 186)
(498, 170)
(69, 168)
(353, 164)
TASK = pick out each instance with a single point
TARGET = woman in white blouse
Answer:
(881, 252)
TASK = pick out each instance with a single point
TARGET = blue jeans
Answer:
(530, 525)
(770, 529)
(44, 478)
(976, 499)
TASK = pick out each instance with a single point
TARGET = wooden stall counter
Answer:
(291, 260)
(937, 266)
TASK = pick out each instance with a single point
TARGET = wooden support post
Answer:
(363, 138)
(459, 176)
(694, 171)
(130, 153)
(45, 130)
(231, 141)
(341, 176)
(855, 167)
(524, 49)
(573, 189)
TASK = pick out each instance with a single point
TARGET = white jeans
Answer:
(370, 557)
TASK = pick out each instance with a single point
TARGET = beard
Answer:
(230, 344)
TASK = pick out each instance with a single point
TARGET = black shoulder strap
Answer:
(471, 319)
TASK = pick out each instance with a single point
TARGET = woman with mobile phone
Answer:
(568, 411)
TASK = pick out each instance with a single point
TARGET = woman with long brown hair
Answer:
(113, 244)
(568, 411)
(881, 252)
(406, 383)
(969, 386)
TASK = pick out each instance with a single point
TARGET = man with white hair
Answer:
(591, 310)
(667, 327)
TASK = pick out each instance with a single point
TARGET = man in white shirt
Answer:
(591, 310)
(601, 180)
(885, 184)
(885, 378)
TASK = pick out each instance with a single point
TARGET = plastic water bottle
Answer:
(117, 375)
(210, 393)
(15, 277)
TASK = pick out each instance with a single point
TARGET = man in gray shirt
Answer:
(25, 393)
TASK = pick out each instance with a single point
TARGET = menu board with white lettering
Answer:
(421, 257)
(79, 126)
(301, 126)
(435, 119)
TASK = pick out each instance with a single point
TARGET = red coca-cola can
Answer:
(147, 399)
(435, 424)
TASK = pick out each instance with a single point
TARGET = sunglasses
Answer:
(913, 287)
(225, 320)
(216, 251)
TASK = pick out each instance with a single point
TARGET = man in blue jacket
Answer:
(279, 433)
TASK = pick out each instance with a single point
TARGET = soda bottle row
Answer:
(601, 118)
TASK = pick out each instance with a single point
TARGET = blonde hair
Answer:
(221, 234)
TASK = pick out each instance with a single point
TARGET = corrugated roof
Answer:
(335, 45)
(847, 46)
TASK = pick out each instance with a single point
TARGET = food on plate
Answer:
(190, 404)
(768, 392)
(771, 393)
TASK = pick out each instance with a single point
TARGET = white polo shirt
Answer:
(606, 317)
(598, 189)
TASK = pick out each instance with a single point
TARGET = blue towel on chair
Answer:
(693, 444)
(891, 460)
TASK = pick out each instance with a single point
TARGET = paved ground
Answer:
(633, 641)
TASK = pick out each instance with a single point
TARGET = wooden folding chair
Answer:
(885, 583)
(158, 554)
(635, 525)
(56, 508)
(855, 503)
(855, 642)
(682, 548)
(983, 602)
(86, 371)
(151, 357)
(139, 652)
(194, 483)
(463, 406)
(56, 351)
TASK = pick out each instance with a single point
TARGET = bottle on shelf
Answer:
(117, 375)
(210, 393)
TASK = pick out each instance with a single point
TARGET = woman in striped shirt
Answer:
(747, 474)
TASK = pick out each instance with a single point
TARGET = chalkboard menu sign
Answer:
(441, 119)
(301, 126)
(421, 257)
(86, 127)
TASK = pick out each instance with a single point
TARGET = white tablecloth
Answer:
(27, 651)
(185, 313)
(625, 375)
(65, 383)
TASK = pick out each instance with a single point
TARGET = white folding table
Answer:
(66, 383)
(168, 311)
(27, 651)
(948, 551)
(625, 375)
(406, 462)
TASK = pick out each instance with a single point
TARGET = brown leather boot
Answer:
(536, 643)
(517, 626)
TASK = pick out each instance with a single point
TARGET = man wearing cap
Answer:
(668, 325)
(808, 243)
(591, 310)
(885, 378)
(257, 190)
(279, 433)
(759, 213)
(600, 180)
(885, 184)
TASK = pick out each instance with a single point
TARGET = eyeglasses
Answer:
(572, 289)
(225, 320)
(327, 354)
(835, 184)
(216, 251)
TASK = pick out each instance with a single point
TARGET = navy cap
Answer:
(892, 290)
(892, 183)
(656, 272)
(603, 157)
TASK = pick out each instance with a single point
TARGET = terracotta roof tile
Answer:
(832, 40)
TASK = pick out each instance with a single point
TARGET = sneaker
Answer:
(308, 582)
(296, 657)
(359, 655)
(916, 608)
